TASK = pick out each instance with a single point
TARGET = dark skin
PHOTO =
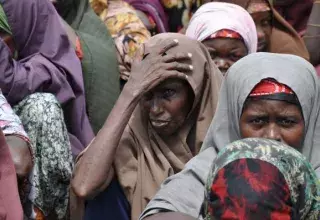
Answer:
(168, 106)
(94, 171)
(263, 21)
(225, 51)
(271, 119)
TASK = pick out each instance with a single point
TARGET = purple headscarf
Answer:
(154, 9)
(47, 63)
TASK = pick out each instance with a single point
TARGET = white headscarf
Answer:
(216, 16)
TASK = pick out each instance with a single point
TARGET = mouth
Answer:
(159, 123)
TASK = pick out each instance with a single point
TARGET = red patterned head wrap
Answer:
(225, 33)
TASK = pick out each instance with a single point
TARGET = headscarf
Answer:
(4, 26)
(259, 178)
(258, 6)
(184, 191)
(154, 9)
(46, 63)
(216, 16)
(296, 13)
(284, 39)
(10, 205)
(144, 159)
(241, 80)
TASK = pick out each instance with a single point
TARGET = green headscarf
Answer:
(4, 26)
(241, 172)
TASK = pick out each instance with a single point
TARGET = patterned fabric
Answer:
(225, 33)
(254, 178)
(48, 185)
(270, 87)
(258, 6)
(9, 121)
(126, 29)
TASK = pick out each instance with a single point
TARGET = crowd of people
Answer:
(159, 109)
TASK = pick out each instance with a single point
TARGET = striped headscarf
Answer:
(4, 26)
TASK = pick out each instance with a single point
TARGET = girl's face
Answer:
(225, 51)
(273, 119)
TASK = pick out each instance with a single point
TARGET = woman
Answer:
(227, 31)
(40, 68)
(259, 178)
(275, 35)
(176, 85)
(263, 96)
(46, 62)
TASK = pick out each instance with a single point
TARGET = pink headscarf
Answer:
(216, 16)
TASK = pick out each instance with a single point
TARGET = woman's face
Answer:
(168, 105)
(225, 51)
(263, 21)
(273, 119)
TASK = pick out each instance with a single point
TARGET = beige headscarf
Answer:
(143, 160)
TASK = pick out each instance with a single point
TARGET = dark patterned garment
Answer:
(46, 192)
(262, 179)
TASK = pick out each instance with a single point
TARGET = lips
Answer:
(159, 123)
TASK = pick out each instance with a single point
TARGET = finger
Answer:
(182, 67)
(161, 77)
(176, 57)
(169, 45)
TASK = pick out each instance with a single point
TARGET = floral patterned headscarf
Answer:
(259, 178)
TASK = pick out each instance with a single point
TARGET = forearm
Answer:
(93, 169)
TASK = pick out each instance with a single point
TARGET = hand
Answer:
(156, 67)
(20, 154)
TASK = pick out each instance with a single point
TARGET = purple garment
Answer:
(154, 9)
(47, 63)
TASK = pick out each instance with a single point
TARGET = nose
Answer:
(273, 132)
(156, 107)
(222, 64)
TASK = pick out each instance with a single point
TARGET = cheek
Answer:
(294, 137)
(177, 107)
(247, 131)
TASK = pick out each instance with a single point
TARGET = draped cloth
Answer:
(144, 159)
(46, 63)
(216, 16)
(184, 191)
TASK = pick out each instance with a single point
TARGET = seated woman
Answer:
(275, 35)
(264, 96)
(261, 179)
(158, 123)
(45, 67)
(227, 30)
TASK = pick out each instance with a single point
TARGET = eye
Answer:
(168, 93)
(285, 122)
(266, 22)
(258, 121)
(236, 57)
